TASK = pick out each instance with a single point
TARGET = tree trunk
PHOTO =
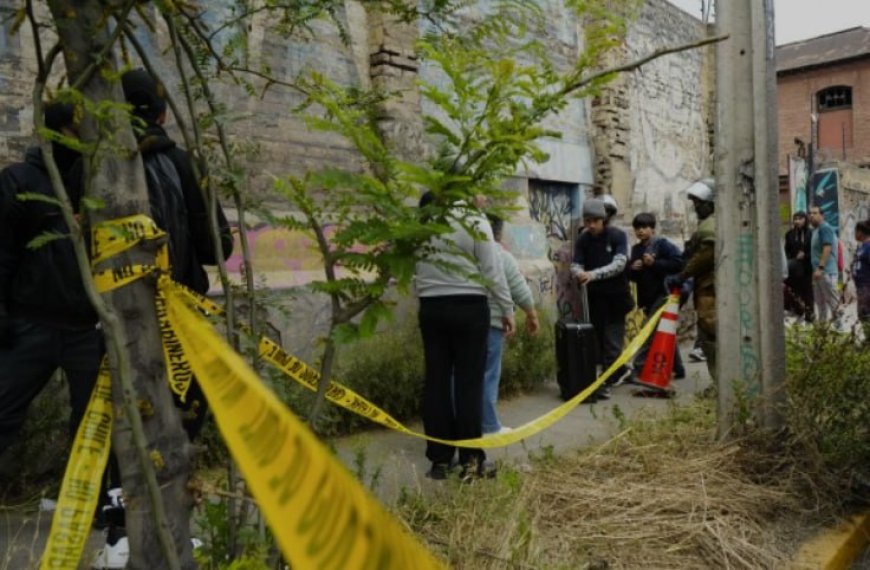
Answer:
(118, 179)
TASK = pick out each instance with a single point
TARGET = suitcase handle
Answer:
(584, 298)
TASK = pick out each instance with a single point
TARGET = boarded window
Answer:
(835, 118)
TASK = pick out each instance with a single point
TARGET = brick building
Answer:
(828, 76)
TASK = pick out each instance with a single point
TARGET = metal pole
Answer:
(748, 262)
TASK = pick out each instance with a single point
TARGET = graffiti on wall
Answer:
(552, 204)
(668, 144)
(855, 208)
(797, 182)
(283, 258)
(826, 189)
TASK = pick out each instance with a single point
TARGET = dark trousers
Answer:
(640, 357)
(609, 325)
(454, 330)
(799, 296)
(26, 367)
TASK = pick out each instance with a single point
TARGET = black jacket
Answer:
(651, 279)
(797, 240)
(178, 207)
(41, 283)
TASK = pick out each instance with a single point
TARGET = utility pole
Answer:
(750, 335)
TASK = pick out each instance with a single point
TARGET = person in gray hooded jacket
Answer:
(454, 282)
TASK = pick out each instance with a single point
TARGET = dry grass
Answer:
(663, 494)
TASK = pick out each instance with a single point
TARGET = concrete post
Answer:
(749, 263)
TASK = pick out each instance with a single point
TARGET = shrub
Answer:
(828, 402)
(387, 369)
(528, 361)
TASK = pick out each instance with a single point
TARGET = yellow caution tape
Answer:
(321, 516)
(137, 227)
(177, 366)
(343, 396)
(319, 513)
(114, 237)
(80, 490)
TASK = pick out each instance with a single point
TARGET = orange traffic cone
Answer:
(656, 373)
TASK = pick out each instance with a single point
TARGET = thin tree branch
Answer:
(41, 71)
(230, 163)
(231, 69)
(632, 65)
(99, 58)
(113, 331)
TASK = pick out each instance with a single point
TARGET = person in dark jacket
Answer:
(176, 196)
(177, 207)
(652, 260)
(600, 257)
(46, 320)
(799, 284)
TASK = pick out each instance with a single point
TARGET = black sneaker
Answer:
(476, 469)
(680, 375)
(439, 471)
(602, 393)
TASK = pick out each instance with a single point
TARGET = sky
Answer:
(802, 19)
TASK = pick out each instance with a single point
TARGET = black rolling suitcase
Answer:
(576, 352)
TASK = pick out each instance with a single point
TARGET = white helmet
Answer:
(704, 190)
(610, 205)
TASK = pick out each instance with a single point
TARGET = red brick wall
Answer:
(794, 93)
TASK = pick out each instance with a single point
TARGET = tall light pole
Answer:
(750, 338)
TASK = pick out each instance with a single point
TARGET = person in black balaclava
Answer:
(46, 320)
(177, 206)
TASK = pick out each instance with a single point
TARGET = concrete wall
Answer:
(654, 125)
(651, 131)
(795, 92)
(854, 204)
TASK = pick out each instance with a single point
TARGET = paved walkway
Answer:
(400, 458)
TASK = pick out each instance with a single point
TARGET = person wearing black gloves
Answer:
(178, 207)
(701, 267)
(46, 319)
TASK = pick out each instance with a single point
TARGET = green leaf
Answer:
(91, 203)
(36, 197)
(44, 238)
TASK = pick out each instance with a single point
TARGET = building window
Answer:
(835, 135)
(833, 98)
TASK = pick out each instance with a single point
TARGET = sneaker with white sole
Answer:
(115, 554)
(501, 431)
(697, 355)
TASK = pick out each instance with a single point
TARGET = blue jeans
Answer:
(491, 377)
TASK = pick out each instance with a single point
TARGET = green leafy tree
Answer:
(499, 89)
